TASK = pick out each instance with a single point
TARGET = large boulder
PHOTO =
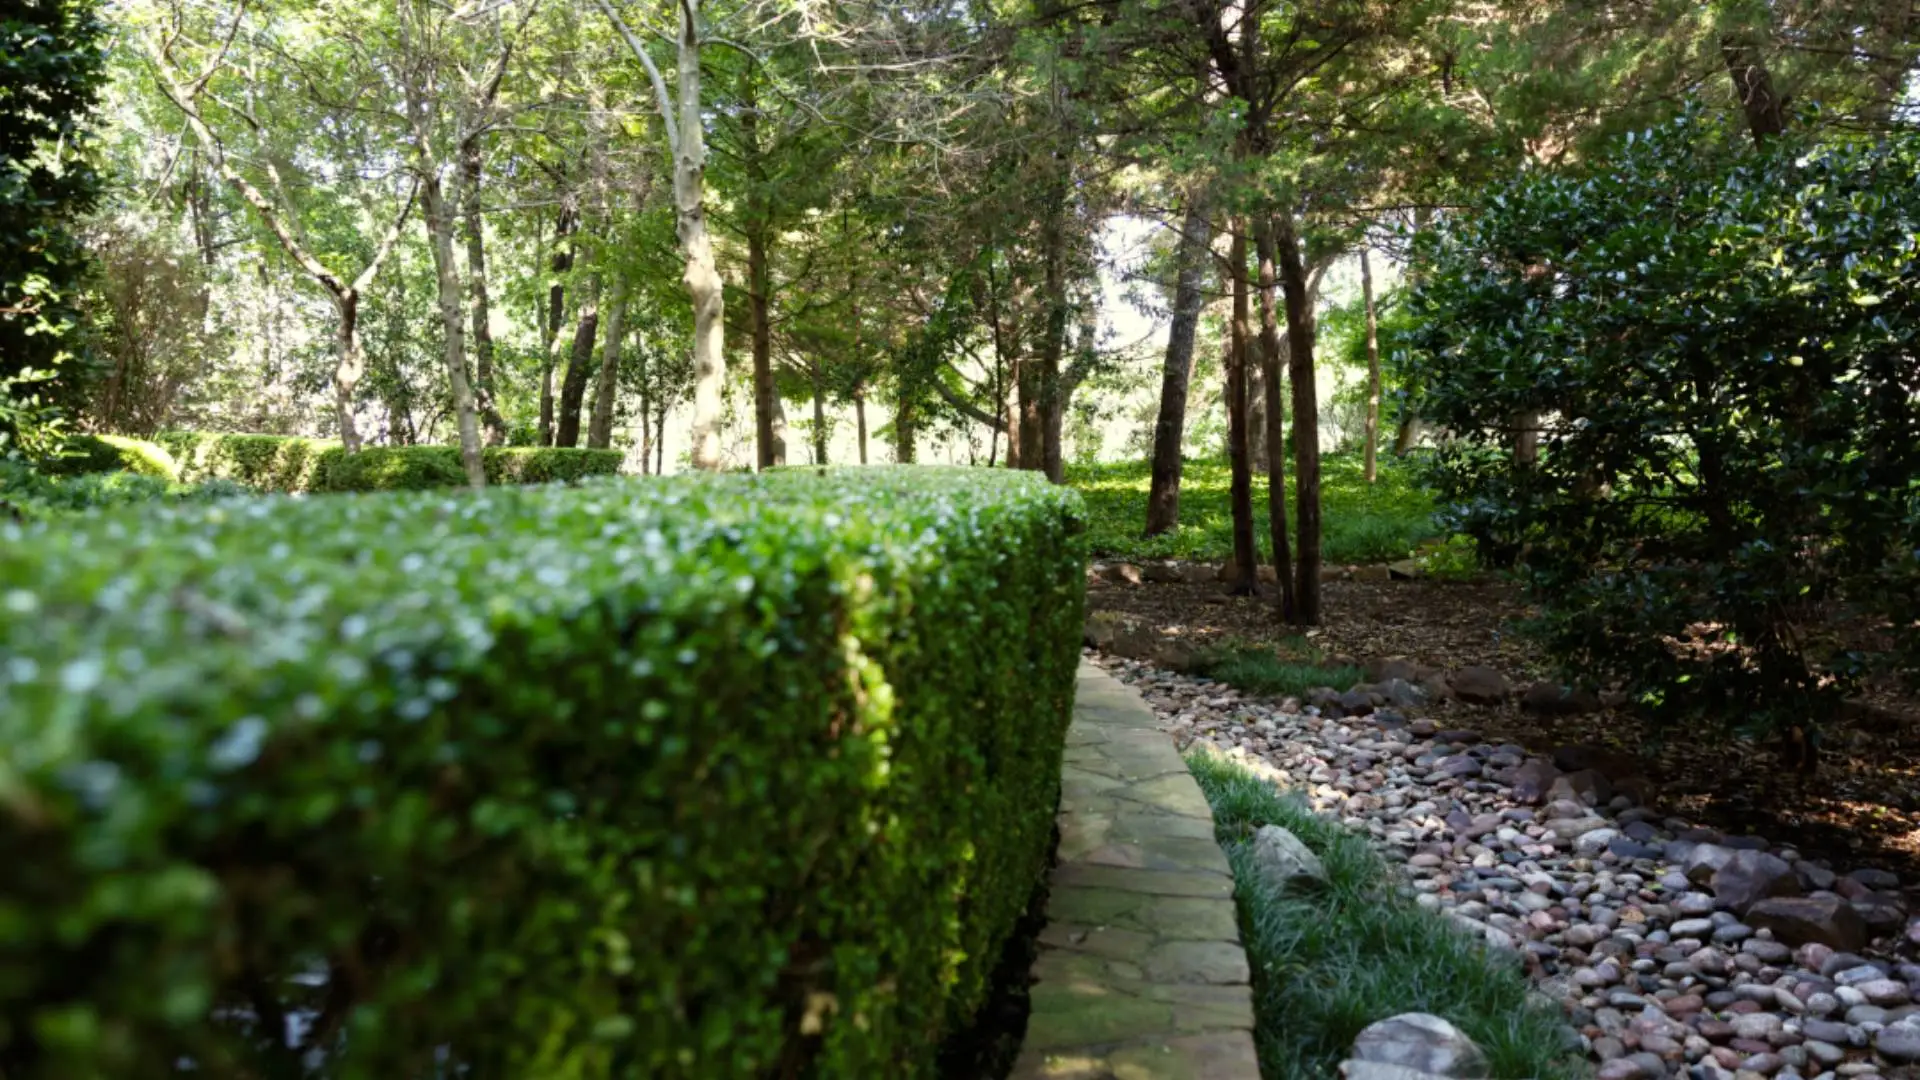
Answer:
(1531, 780)
(1264, 572)
(1477, 685)
(1123, 635)
(1882, 912)
(1613, 764)
(1589, 786)
(1798, 920)
(1102, 627)
(1423, 1043)
(1386, 668)
(1283, 861)
(1163, 573)
(1400, 693)
(1552, 699)
(1701, 861)
(1749, 877)
(1379, 1070)
(1356, 702)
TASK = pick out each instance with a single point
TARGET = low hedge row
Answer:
(287, 463)
(85, 454)
(707, 777)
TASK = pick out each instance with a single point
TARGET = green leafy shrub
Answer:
(262, 462)
(389, 468)
(1718, 348)
(706, 777)
(28, 494)
(112, 453)
(547, 464)
(291, 464)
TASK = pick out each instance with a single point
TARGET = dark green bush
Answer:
(1717, 347)
(283, 463)
(29, 494)
(707, 777)
(112, 453)
(291, 464)
(389, 468)
(545, 464)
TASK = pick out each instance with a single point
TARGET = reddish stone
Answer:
(1714, 1030)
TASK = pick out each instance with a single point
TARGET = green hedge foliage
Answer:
(262, 462)
(707, 777)
(281, 463)
(86, 454)
(28, 493)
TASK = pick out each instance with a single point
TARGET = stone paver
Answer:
(1141, 975)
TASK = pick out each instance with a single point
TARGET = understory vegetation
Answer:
(1329, 961)
(1288, 670)
(1365, 523)
(1678, 392)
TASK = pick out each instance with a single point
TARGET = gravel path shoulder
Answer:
(1676, 950)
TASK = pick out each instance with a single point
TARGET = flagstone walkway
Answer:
(1140, 975)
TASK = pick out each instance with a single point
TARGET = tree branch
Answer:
(661, 99)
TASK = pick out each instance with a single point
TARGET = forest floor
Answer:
(1861, 807)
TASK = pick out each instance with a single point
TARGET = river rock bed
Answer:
(1675, 950)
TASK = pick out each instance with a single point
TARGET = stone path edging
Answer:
(1140, 975)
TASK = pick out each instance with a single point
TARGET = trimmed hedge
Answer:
(262, 462)
(113, 453)
(292, 464)
(704, 777)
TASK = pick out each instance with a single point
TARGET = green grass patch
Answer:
(1361, 523)
(1328, 963)
(1292, 670)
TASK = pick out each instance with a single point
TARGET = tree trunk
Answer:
(772, 448)
(1257, 421)
(1406, 435)
(606, 388)
(1306, 422)
(1526, 438)
(780, 428)
(1753, 87)
(646, 430)
(573, 389)
(1275, 432)
(701, 277)
(1245, 578)
(1053, 343)
(860, 420)
(903, 431)
(561, 262)
(349, 364)
(1373, 369)
(1032, 452)
(1170, 426)
(484, 398)
(660, 441)
(819, 416)
(440, 226)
